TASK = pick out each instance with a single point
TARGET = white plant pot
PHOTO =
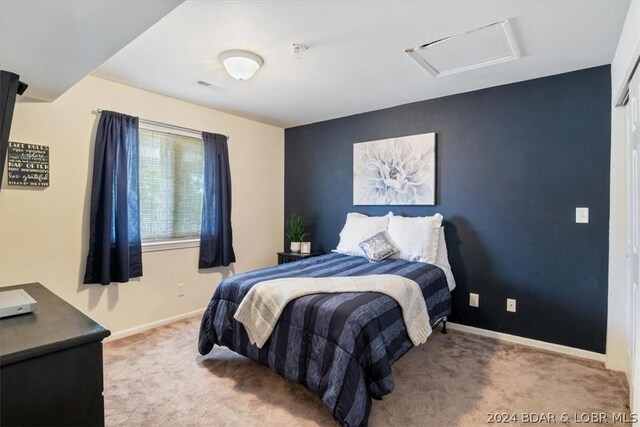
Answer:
(295, 247)
(305, 247)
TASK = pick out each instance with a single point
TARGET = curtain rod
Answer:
(153, 122)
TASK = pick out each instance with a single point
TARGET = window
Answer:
(171, 173)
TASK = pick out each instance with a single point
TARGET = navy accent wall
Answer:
(513, 163)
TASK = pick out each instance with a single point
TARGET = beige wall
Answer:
(43, 233)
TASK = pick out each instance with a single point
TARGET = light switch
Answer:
(474, 300)
(582, 215)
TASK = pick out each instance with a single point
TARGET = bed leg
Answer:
(444, 325)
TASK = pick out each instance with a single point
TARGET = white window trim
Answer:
(169, 245)
(169, 129)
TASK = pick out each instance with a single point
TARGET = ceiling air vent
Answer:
(478, 48)
(211, 86)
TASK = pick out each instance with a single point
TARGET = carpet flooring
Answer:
(157, 378)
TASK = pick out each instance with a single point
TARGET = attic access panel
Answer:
(488, 45)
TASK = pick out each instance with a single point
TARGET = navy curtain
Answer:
(216, 248)
(115, 253)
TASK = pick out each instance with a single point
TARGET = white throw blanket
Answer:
(260, 309)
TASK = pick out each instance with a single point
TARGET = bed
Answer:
(340, 346)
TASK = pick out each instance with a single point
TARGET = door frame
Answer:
(632, 130)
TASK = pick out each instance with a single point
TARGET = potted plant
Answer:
(296, 230)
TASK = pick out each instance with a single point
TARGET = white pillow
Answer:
(417, 237)
(442, 260)
(357, 229)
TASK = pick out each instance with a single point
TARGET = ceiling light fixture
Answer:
(241, 64)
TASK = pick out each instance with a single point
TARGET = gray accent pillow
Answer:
(378, 247)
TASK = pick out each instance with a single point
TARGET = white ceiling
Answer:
(54, 44)
(356, 61)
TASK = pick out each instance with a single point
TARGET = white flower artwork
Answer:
(396, 171)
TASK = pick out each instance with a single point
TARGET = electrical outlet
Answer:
(511, 305)
(180, 289)
(474, 300)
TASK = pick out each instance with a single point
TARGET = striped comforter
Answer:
(340, 346)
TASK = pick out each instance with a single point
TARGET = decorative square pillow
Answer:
(357, 228)
(378, 247)
(417, 237)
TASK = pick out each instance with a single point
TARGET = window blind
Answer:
(171, 173)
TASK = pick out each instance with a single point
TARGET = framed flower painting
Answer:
(395, 171)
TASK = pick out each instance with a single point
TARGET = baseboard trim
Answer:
(152, 325)
(556, 348)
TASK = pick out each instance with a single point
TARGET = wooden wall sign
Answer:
(28, 165)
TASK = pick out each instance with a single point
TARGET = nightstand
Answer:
(286, 257)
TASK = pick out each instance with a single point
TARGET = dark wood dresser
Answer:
(50, 365)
